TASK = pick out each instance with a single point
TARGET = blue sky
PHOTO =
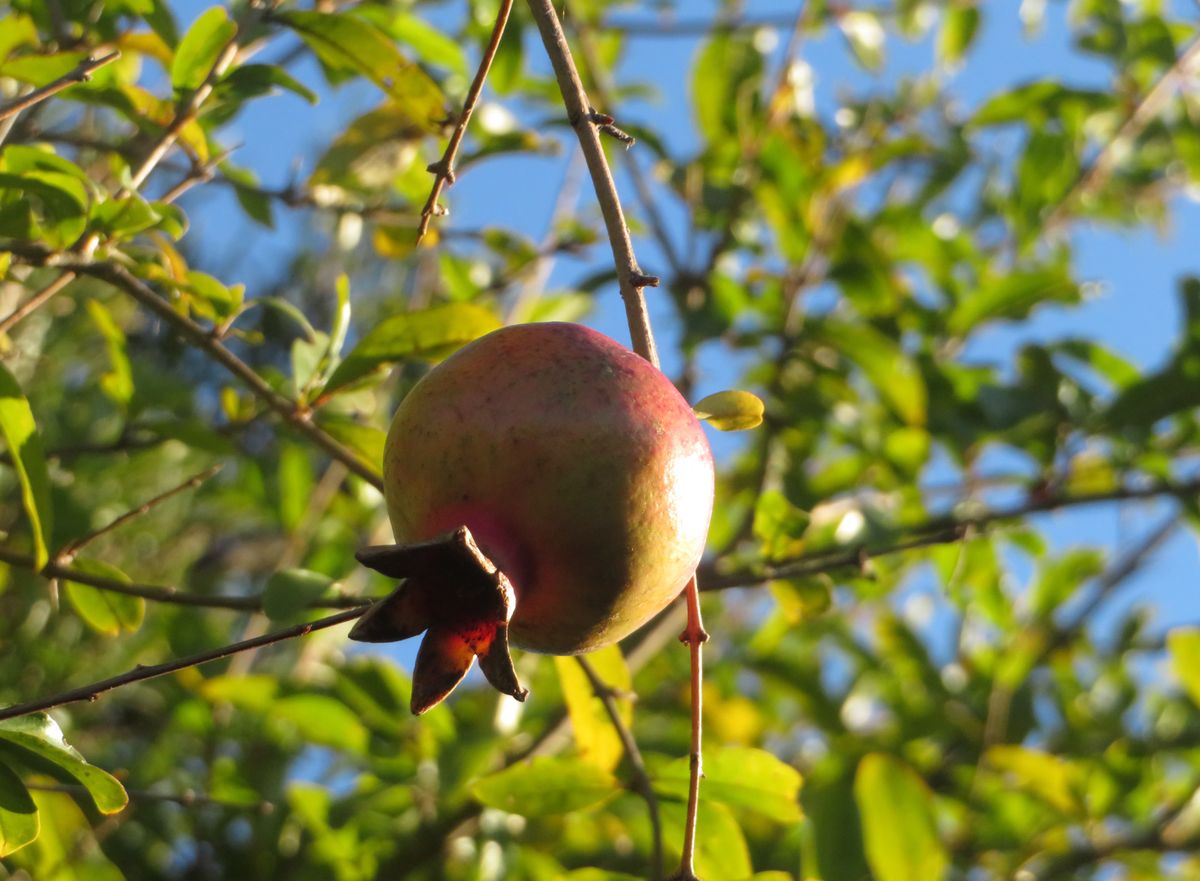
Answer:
(1135, 312)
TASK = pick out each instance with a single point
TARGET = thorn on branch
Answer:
(640, 280)
(606, 124)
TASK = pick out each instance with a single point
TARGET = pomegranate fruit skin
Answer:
(578, 467)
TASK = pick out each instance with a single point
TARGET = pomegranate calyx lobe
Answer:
(452, 590)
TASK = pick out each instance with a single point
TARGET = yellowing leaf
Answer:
(898, 823)
(595, 736)
(1183, 644)
(1050, 778)
(105, 611)
(29, 461)
(731, 411)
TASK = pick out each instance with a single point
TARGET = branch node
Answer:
(640, 280)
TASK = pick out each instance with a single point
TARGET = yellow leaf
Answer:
(731, 411)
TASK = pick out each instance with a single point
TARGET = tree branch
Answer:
(69, 552)
(1101, 168)
(120, 277)
(641, 777)
(159, 593)
(582, 119)
(81, 74)
(936, 531)
(443, 169)
(140, 673)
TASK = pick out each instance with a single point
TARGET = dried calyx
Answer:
(455, 595)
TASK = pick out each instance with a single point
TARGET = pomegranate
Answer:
(546, 486)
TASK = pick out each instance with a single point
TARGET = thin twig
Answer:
(69, 552)
(606, 90)
(140, 673)
(629, 276)
(443, 169)
(1101, 168)
(81, 74)
(35, 302)
(936, 531)
(694, 636)
(122, 278)
(159, 593)
(641, 777)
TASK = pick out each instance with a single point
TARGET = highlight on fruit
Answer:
(548, 489)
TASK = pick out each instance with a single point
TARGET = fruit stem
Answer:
(694, 636)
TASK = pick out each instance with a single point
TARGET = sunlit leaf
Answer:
(344, 42)
(899, 827)
(1051, 778)
(201, 45)
(29, 461)
(546, 787)
(18, 814)
(731, 411)
(321, 720)
(105, 611)
(741, 777)
(721, 851)
(37, 742)
(431, 334)
(885, 364)
(1183, 644)
(596, 738)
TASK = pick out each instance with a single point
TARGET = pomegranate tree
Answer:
(546, 486)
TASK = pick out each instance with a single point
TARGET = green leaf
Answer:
(289, 592)
(295, 484)
(105, 611)
(117, 383)
(348, 44)
(726, 77)
(1050, 778)
(898, 821)
(721, 851)
(431, 333)
(546, 787)
(322, 720)
(18, 814)
(366, 441)
(731, 411)
(866, 37)
(595, 737)
(29, 461)
(122, 218)
(1013, 297)
(885, 364)
(200, 47)
(37, 741)
(212, 299)
(429, 43)
(958, 32)
(252, 80)
(1183, 645)
(741, 777)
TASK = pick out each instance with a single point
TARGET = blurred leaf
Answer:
(252, 80)
(721, 851)
(1183, 645)
(105, 611)
(37, 742)
(295, 484)
(1050, 778)
(321, 720)
(18, 813)
(344, 42)
(212, 299)
(595, 737)
(431, 334)
(866, 37)
(886, 366)
(201, 45)
(730, 411)
(366, 441)
(1013, 297)
(288, 592)
(28, 460)
(741, 777)
(117, 383)
(958, 31)
(546, 787)
(899, 827)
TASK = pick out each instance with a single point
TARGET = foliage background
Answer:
(904, 261)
